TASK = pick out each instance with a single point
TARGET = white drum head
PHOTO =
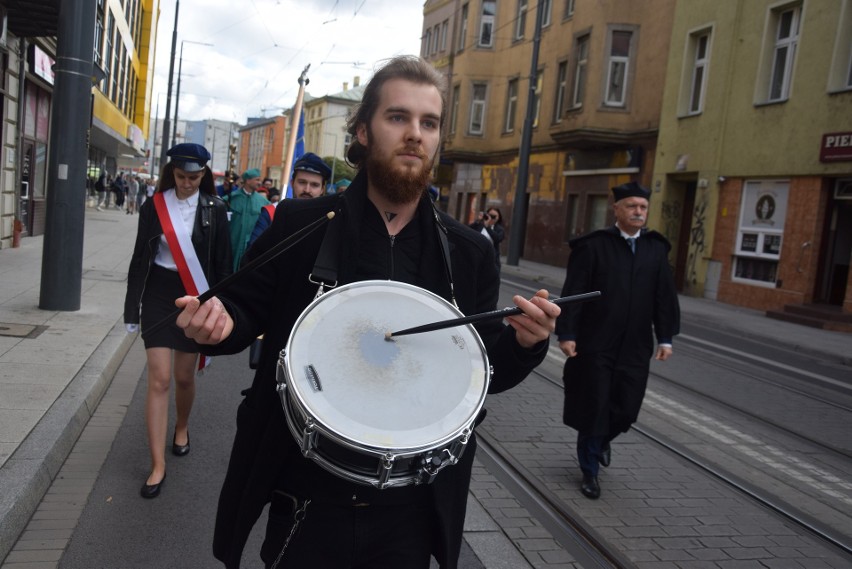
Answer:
(410, 393)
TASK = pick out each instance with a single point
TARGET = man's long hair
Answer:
(408, 67)
(167, 180)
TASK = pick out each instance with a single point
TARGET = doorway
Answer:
(834, 274)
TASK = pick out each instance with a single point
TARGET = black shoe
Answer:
(152, 490)
(180, 450)
(606, 456)
(590, 487)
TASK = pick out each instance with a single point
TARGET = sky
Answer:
(261, 47)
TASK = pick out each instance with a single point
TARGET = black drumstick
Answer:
(248, 267)
(493, 315)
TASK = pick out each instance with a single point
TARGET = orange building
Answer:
(262, 144)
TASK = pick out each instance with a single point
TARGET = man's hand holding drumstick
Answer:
(537, 322)
(207, 323)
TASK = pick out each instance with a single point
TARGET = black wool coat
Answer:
(605, 383)
(270, 300)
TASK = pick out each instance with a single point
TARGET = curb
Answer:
(29, 472)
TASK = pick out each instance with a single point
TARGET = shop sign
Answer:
(41, 64)
(134, 135)
(836, 147)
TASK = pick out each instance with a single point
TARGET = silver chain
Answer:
(298, 516)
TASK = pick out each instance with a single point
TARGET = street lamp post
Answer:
(180, 67)
(333, 156)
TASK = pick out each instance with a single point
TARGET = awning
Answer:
(32, 18)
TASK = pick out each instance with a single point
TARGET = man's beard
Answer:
(399, 186)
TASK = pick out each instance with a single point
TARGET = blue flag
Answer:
(298, 152)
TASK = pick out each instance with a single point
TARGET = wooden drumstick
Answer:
(482, 317)
(249, 267)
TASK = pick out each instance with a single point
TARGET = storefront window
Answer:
(761, 231)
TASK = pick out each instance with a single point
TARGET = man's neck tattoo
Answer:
(389, 215)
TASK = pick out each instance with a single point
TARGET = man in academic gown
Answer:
(609, 342)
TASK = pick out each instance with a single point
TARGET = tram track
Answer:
(533, 492)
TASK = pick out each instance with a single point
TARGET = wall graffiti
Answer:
(696, 239)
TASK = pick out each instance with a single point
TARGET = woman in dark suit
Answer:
(490, 224)
(182, 247)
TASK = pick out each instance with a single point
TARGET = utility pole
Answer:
(62, 248)
(519, 210)
(164, 147)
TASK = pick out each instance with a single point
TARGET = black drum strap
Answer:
(324, 272)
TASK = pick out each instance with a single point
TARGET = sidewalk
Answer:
(56, 366)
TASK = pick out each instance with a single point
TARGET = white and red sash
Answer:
(180, 244)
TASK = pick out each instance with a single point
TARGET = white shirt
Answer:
(187, 209)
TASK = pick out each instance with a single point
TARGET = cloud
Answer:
(262, 46)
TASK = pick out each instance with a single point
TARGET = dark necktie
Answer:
(632, 242)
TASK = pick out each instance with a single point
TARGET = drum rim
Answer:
(402, 451)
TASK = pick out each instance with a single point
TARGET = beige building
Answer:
(753, 173)
(597, 94)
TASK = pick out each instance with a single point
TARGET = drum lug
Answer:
(309, 437)
(386, 468)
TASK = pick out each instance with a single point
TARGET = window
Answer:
(544, 6)
(436, 37)
(580, 71)
(840, 76)
(700, 50)
(539, 83)
(427, 42)
(477, 109)
(784, 54)
(617, 69)
(521, 19)
(99, 37)
(462, 28)
(454, 112)
(108, 57)
(569, 10)
(561, 87)
(445, 26)
(511, 106)
(761, 231)
(486, 23)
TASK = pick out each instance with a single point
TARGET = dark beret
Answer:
(630, 190)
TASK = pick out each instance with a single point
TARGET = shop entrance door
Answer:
(25, 196)
(838, 252)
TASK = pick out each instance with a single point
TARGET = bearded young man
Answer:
(385, 228)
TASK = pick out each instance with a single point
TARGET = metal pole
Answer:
(519, 210)
(153, 160)
(62, 248)
(177, 95)
(164, 147)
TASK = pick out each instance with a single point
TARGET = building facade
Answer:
(261, 146)
(596, 95)
(753, 172)
(325, 122)
(125, 32)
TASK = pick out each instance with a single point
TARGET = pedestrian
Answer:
(273, 194)
(244, 205)
(490, 224)
(101, 188)
(182, 247)
(150, 188)
(118, 188)
(132, 194)
(609, 342)
(310, 176)
(386, 228)
(142, 193)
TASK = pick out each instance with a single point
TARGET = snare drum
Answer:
(378, 412)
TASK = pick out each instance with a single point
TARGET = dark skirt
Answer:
(158, 301)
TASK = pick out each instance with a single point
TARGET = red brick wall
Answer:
(797, 267)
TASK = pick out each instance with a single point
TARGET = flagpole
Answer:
(294, 125)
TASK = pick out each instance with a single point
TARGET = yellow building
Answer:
(125, 33)
(597, 94)
(753, 173)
